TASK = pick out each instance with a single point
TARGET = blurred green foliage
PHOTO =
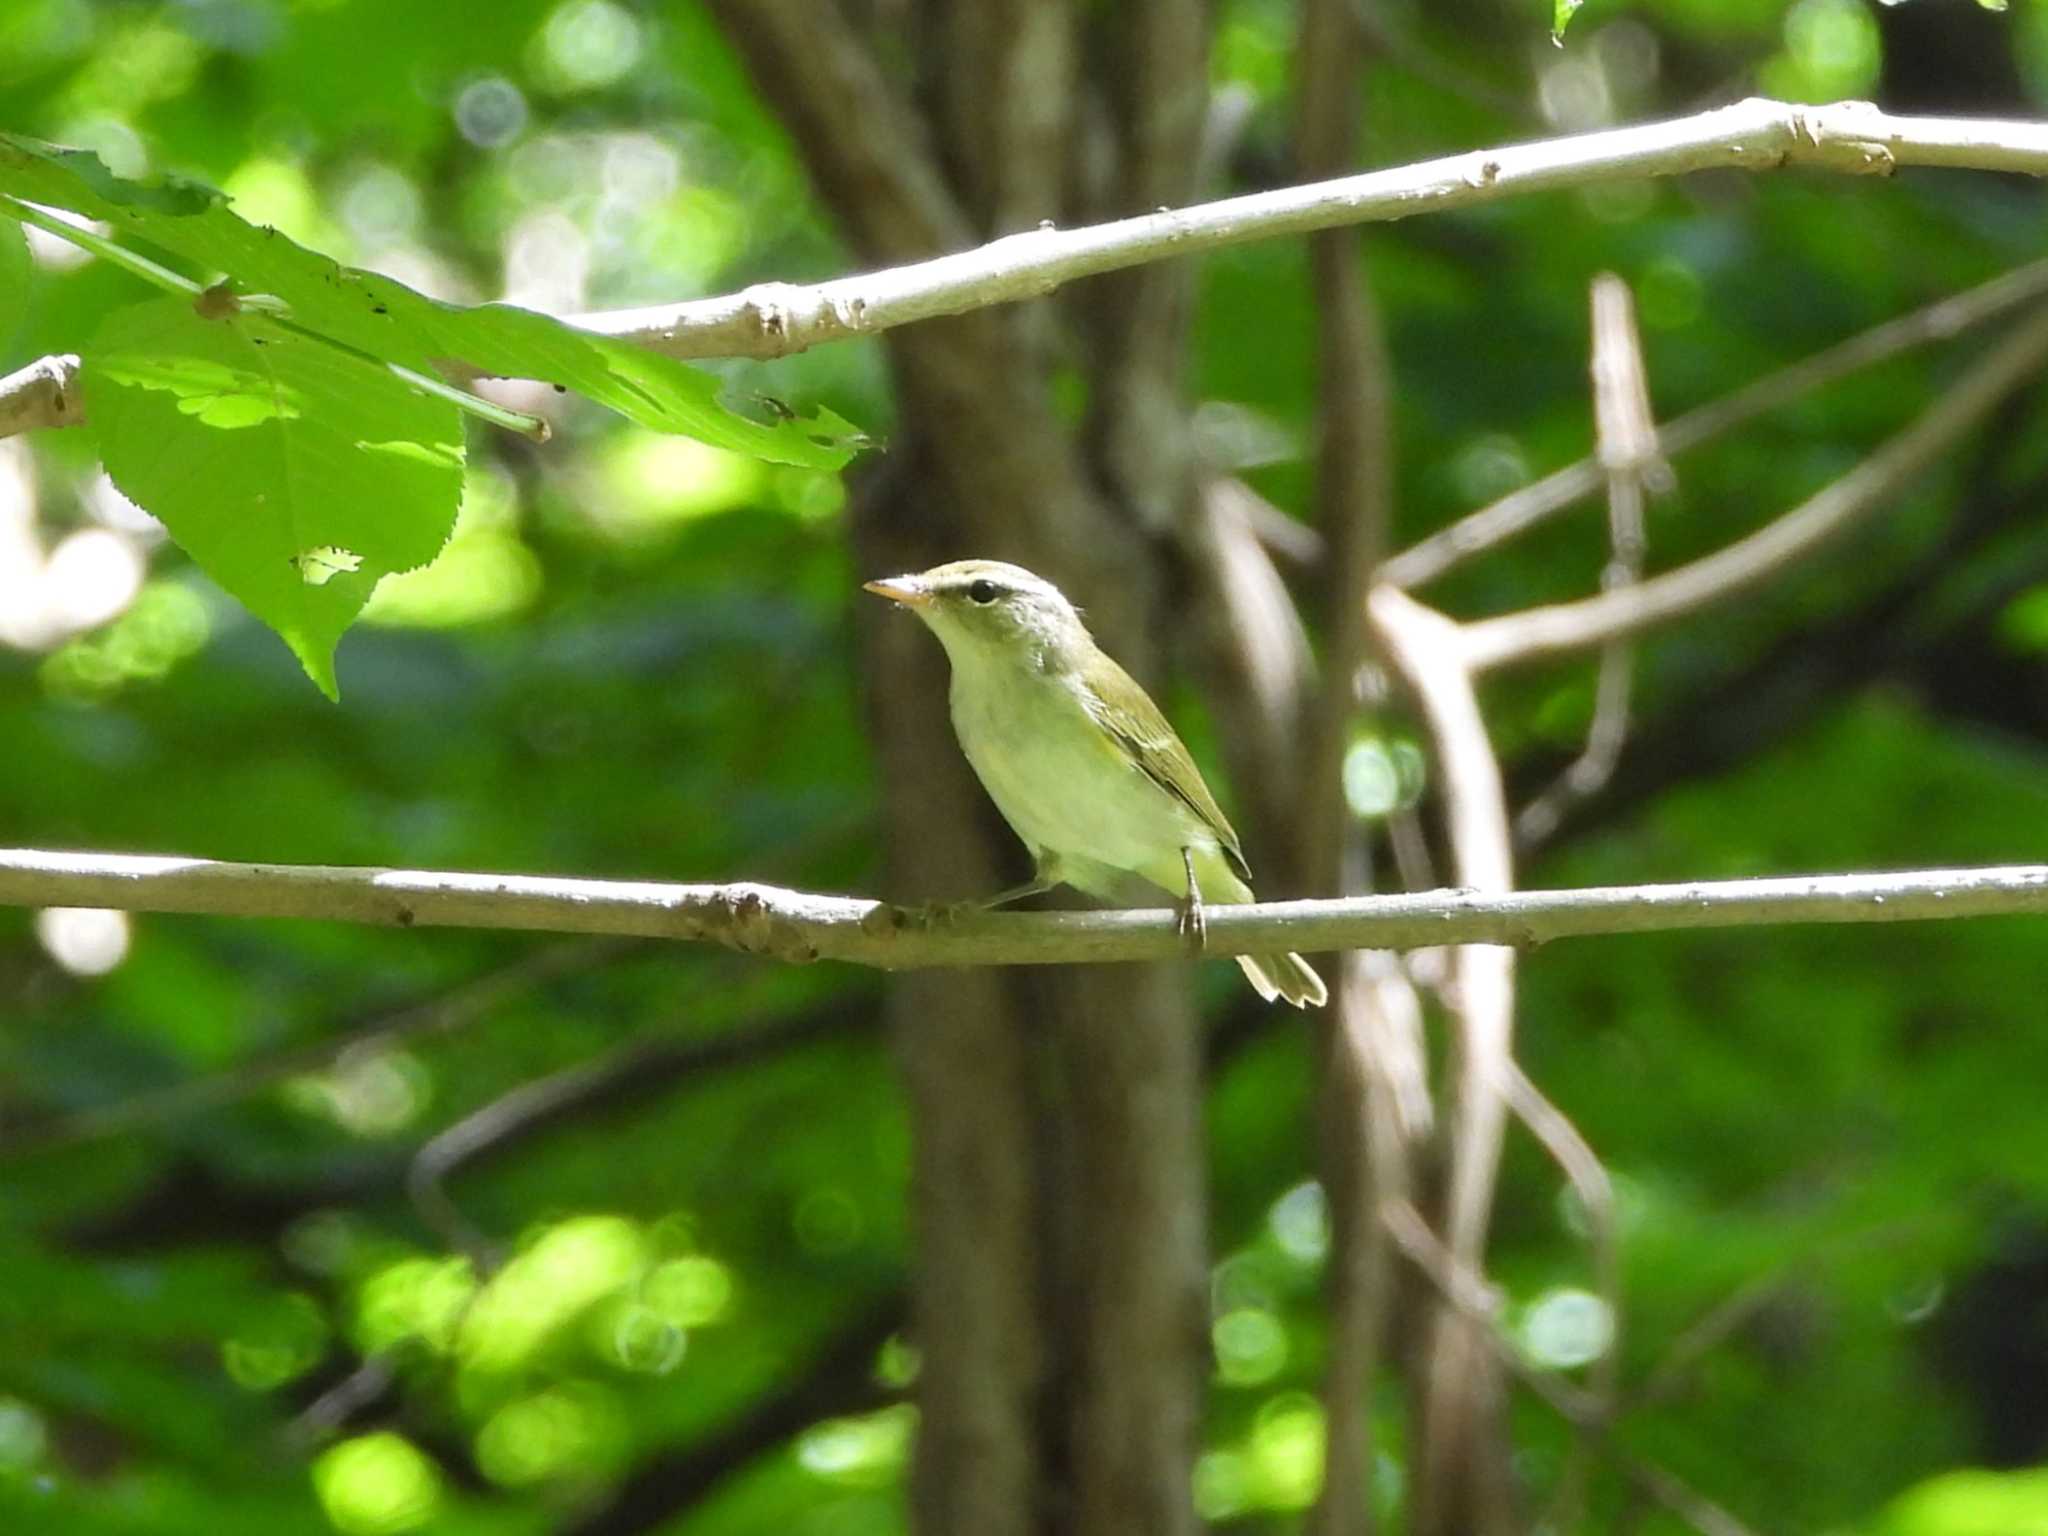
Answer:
(633, 659)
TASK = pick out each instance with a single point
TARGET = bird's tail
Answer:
(1288, 976)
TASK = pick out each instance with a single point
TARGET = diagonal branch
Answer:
(1539, 634)
(773, 320)
(1480, 1304)
(1522, 509)
(441, 1013)
(631, 1074)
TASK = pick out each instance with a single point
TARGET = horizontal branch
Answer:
(44, 394)
(775, 319)
(799, 926)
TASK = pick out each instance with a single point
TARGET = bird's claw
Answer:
(1194, 922)
(942, 914)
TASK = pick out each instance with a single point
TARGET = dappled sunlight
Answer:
(349, 1196)
(486, 571)
(556, 1277)
(377, 1485)
(86, 941)
(866, 1452)
(490, 112)
(369, 1093)
(648, 482)
(88, 577)
(585, 45)
(547, 263)
(575, 1429)
(1284, 1453)
(167, 624)
(275, 190)
(1250, 1345)
(278, 1345)
(24, 1435)
(419, 1298)
(1564, 1328)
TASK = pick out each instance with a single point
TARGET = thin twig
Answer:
(1538, 634)
(634, 1072)
(798, 926)
(1588, 1178)
(1481, 1304)
(1521, 509)
(1626, 433)
(454, 1008)
(1254, 663)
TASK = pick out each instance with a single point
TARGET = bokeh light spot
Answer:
(1566, 1327)
(1300, 1222)
(1286, 1451)
(490, 112)
(1251, 1346)
(570, 1428)
(586, 45)
(562, 1273)
(86, 941)
(691, 1292)
(865, 1452)
(376, 1485)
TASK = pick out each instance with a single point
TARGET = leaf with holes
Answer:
(388, 320)
(295, 474)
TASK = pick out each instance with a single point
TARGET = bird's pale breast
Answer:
(1062, 784)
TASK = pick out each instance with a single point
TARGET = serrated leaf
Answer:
(165, 193)
(295, 474)
(388, 320)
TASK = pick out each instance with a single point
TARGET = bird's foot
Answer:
(1194, 921)
(941, 914)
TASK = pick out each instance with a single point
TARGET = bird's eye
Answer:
(983, 591)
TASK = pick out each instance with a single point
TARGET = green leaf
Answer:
(16, 271)
(1561, 17)
(388, 320)
(165, 193)
(295, 474)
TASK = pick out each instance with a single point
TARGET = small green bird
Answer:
(1079, 759)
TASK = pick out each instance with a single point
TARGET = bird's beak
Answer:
(907, 590)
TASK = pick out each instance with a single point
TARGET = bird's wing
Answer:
(1145, 737)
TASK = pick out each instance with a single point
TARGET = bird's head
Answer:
(984, 610)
